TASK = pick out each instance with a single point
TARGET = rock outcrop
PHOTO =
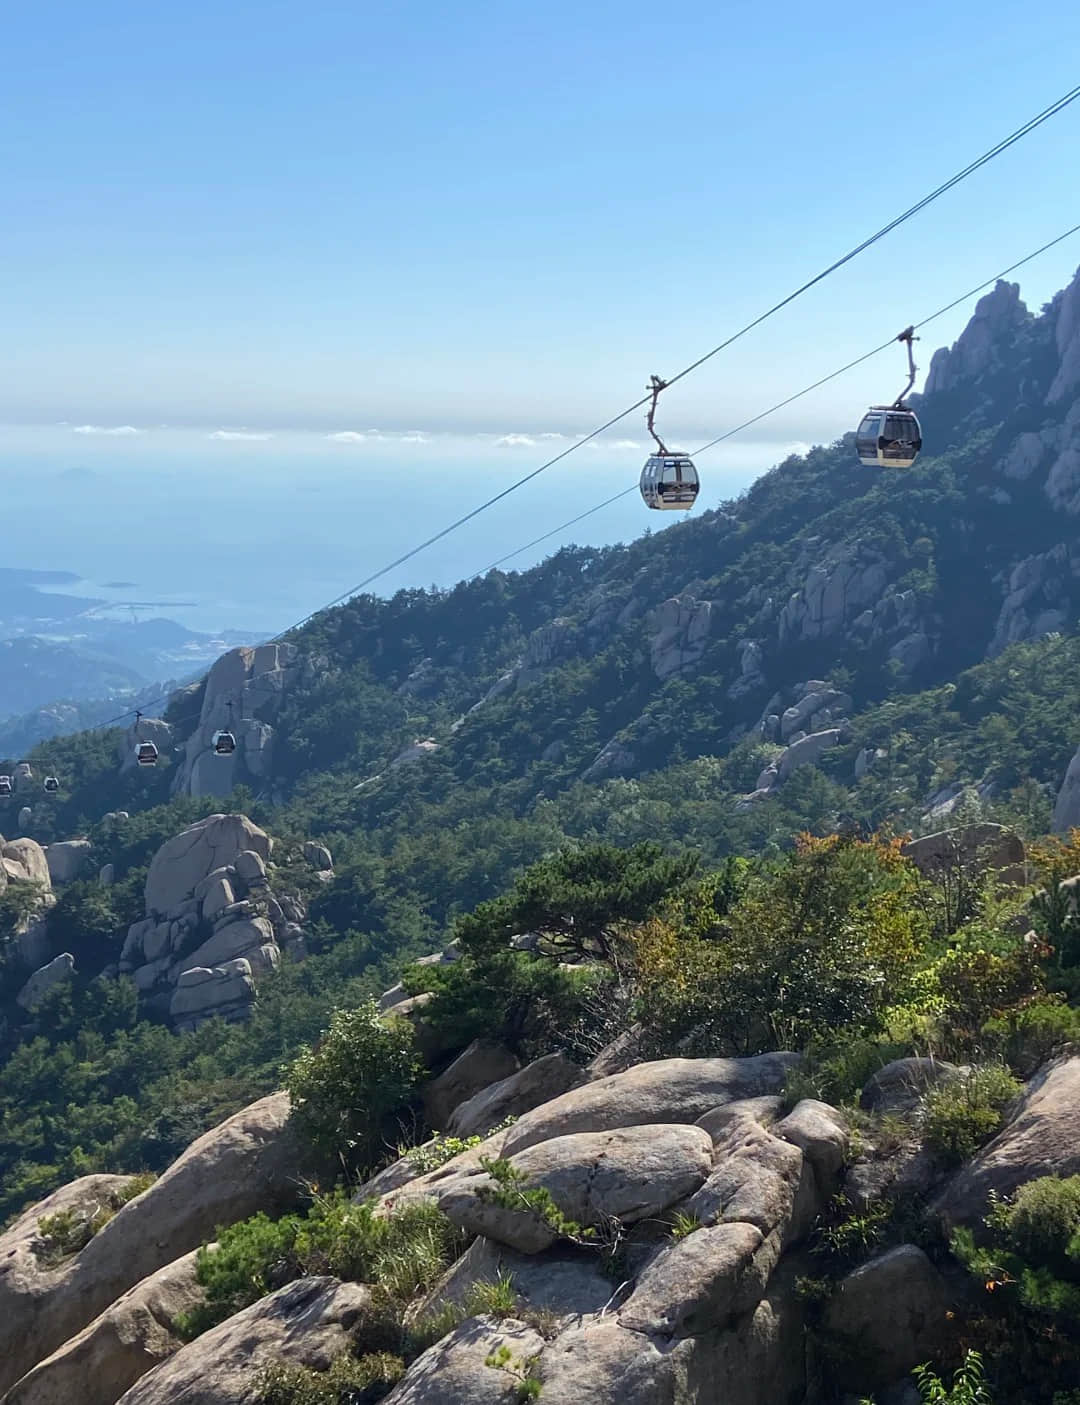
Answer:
(67, 859)
(978, 349)
(680, 633)
(129, 1338)
(213, 926)
(247, 1164)
(1042, 1138)
(57, 972)
(243, 693)
(1067, 804)
(25, 861)
(307, 1323)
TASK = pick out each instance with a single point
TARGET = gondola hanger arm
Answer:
(907, 336)
(655, 386)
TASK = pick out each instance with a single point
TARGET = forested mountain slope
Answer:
(672, 661)
(838, 644)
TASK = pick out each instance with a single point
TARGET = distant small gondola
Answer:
(146, 754)
(890, 436)
(6, 787)
(51, 785)
(224, 740)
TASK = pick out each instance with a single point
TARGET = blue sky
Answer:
(290, 221)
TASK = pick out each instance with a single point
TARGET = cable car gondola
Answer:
(669, 479)
(890, 436)
(146, 753)
(51, 785)
(5, 786)
(223, 741)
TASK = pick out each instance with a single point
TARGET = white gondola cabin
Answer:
(5, 785)
(888, 437)
(146, 754)
(224, 743)
(669, 481)
(51, 785)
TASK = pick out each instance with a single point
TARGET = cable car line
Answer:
(915, 209)
(782, 404)
(1003, 145)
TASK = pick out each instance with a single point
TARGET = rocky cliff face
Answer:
(711, 1315)
(213, 924)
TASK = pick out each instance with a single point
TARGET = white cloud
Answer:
(350, 436)
(515, 441)
(598, 446)
(414, 436)
(552, 435)
(238, 434)
(115, 430)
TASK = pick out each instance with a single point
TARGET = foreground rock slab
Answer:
(889, 1314)
(454, 1370)
(666, 1090)
(1042, 1138)
(306, 1323)
(129, 1338)
(248, 1163)
(629, 1173)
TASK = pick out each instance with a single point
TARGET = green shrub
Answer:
(1033, 1249)
(511, 1191)
(812, 950)
(962, 1115)
(68, 1232)
(347, 1092)
(844, 1236)
(1030, 1035)
(400, 1253)
(968, 1386)
(350, 1380)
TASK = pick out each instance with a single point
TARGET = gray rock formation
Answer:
(667, 1090)
(223, 992)
(414, 753)
(1062, 485)
(128, 1339)
(889, 1314)
(614, 759)
(67, 859)
(998, 315)
(681, 628)
(1042, 1138)
(545, 1078)
(900, 1086)
(1035, 603)
(806, 751)
(306, 1323)
(213, 926)
(25, 861)
(254, 681)
(628, 1172)
(986, 845)
(1067, 805)
(183, 862)
(249, 1163)
(144, 729)
(1067, 339)
(59, 970)
(475, 1068)
(833, 592)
